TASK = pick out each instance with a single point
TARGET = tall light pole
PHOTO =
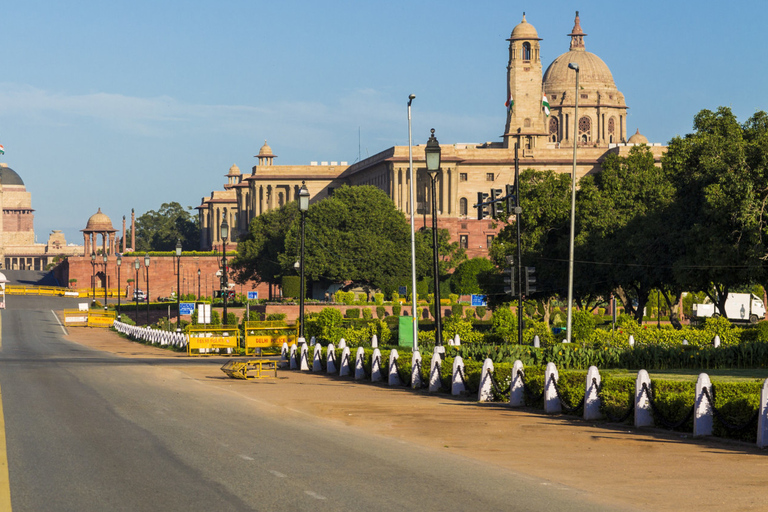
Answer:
(224, 277)
(198, 284)
(119, 262)
(414, 318)
(146, 265)
(303, 207)
(178, 290)
(106, 279)
(136, 266)
(93, 278)
(432, 156)
(569, 322)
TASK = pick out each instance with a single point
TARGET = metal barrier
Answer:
(261, 335)
(258, 368)
(91, 318)
(204, 339)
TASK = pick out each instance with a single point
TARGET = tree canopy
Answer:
(160, 230)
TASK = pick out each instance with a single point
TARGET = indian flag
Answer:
(2, 150)
(509, 103)
(545, 104)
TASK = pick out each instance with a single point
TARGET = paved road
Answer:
(88, 431)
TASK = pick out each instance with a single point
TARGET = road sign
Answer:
(186, 308)
(402, 291)
(253, 295)
(479, 300)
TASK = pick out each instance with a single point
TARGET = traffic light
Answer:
(482, 207)
(495, 207)
(509, 277)
(530, 280)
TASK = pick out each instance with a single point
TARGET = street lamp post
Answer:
(303, 207)
(432, 155)
(118, 262)
(224, 276)
(569, 321)
(106, 279)
(198, 284)
(146, 265)
(178, 290)
(136, 266)
(93, 279)
(414, 297)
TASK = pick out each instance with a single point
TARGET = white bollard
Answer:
(317, 356)
(345, 366)
(591, 397)
(643, 413)
(304, 361)
(457, 385)
(631, 341)
(536, 341)
(516, 385)
(703, 413)
(342, 343)
(293, 359)
(330, 363)
(415, 367)
(685, 342)
(716, 341)
(375, 341)
(485, 390)
(301, 341)
(312, 341)
(376, 372)
(551, 400)
(360, 363)
(284, 351)
(393, 378)
(434, 372)
(762, 420)
(457, 340)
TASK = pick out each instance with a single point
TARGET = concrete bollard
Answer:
(551, 400)
(393, 378)
(304, 359)
(284, 351)
(434, 372)
(360, 363)
(703, 414)
(345, 368)
(591, 396)
(457, 386)
(716, 341)
(312, 341)
(330, 362)
(457, 341)
(317, 355)
(536, 341)
(376, 372)
(415, 367)
(485, 390)
(293, 358)
(631, 341)
(643, 413)
(342, 343)
(375, 341)
(516, 385)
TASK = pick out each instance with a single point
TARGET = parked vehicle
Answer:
(139, 295)
(739, 307)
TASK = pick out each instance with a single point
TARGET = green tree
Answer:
(159, 230)
(465, 278)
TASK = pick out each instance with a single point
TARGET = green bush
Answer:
(291, 286)
(367, 313)
(396, 309)
(481, 310)
(276, 317)
(352, 313)
(381, 312)
(504, 324)
(469, 313)
(378, 298)
(584, 324)
(457, 310)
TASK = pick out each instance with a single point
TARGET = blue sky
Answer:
(124, 105)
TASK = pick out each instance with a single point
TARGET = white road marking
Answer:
(315, 495)
(59, 322)
(277, 473)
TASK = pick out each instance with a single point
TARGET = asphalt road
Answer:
(88, 431)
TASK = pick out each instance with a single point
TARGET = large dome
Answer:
(99, 222)
(9, 177)
(593, 72)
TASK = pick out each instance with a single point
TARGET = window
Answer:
(585, 129)
(554, 129)
(464, 241)
(488, 241)
(462, 176)
(489, 176)
(463, 206)
(585, 96)
(526, 51)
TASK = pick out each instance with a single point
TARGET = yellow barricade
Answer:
(101, 318)
(75, 318)
(251, 369)
(261, 335)
(205, 340)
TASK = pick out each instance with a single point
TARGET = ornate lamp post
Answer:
(93, 278)
(303, 207)
(146, 265)
(178, 290)
(106, 279)
(224, 277)
(118, 262)
(136, 266)
(432, 155)
(569, 321)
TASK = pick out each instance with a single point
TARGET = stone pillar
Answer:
(86, 245)
(123, 234)
(133, 230)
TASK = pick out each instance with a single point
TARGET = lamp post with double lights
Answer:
(105, 258)
(432, 156)
(136, 266)
(303, 207)
(178, 290)
(119, 262)
(569, 321)
(93, 279)
(146, 265)
(224, 277)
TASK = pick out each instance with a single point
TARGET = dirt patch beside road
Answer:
(645, 469)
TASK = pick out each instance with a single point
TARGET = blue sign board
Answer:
(479, 300)
(253, 295)
(186, 308)
(402, 291)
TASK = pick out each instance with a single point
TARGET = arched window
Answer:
(612, 129)
(585, 130)
(554, 129)
(526, 51)
(527, 122)
(463, 207)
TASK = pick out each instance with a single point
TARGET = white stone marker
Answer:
(415, 373)
(716, 341)
(330, 363)
(516, 389)
(457, 340)
(345, 366)
(551, 401)
(293, 359)
(312, 341)
(393, 379)
(359, 363)
(485, 390)
(643, 414)
(631, 341)
(685, 342)
(457, 386)
(434, 372)
(304, 361)
(376, 373)
(762, 420)
(317, 356)
(301, 340)
(284, 350)
(591, 398)
(536, 341)
(375, 341)
(702, 409)
(342, 343)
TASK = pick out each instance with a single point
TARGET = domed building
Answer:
(99, 224)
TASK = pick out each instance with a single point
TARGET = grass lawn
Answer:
(734, 375)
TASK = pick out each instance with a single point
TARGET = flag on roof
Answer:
(2, 150)
(509, 103)
(545, 104)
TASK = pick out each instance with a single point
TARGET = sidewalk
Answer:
(647, 469)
